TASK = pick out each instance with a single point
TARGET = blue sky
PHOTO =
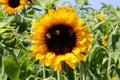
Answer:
(96, 4)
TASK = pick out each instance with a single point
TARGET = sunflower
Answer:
(60, 37)
(101, 16)
(12, 6)
(104, 40)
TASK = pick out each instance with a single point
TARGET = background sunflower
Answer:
(12, 6)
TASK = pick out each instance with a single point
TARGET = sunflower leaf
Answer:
(69, 71)
(11, 68)
(1, 66)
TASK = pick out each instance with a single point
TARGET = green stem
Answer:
(31, 76)
(58, 75)
(109, 62)
(104, 49)
(109, 67)
(44, 71)
(75, 75)
(82, 70)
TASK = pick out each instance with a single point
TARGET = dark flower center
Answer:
(60, 39)
(14, 3)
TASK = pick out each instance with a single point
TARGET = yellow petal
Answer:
(76, 50)
(72, 65)
(58, 67)
(58, 60)
(39, 56)
(50, 55)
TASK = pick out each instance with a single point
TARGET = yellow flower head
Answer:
(59, 37)
(113, 78)
(101, 16)
(104, 40)
(12, 6)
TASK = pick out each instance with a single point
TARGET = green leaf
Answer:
(98, 25)
(11, 68)
(22, 26)
(85, 2)
(30, 12)
(68, 70)
(0, 62)
(115, 39)
(1, 66)
(4, 77)
(115, 47)
(2, 30)
(118, 72)
(5, 23)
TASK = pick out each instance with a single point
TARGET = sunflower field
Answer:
(58, 40)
